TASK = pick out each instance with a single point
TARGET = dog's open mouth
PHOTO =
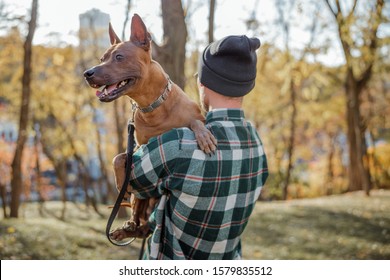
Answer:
(107, 93)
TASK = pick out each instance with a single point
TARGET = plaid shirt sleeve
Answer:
(206, 201)
(153, 164)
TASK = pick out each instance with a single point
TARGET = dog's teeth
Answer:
(104, 93)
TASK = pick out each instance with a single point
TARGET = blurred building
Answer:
(93, 30)
(94, 40)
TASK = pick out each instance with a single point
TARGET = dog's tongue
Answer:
(109, 89)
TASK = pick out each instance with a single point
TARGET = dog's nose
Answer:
(89, 73)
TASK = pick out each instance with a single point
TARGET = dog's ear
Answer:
(114, 39)
(139, 35)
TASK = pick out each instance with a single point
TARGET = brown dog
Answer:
(127, 68)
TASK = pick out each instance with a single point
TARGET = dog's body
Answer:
(127, 68)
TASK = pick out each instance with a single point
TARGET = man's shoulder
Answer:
(175, 135)
(181, 138)
(178, 134)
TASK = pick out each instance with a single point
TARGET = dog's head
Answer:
(123, 64)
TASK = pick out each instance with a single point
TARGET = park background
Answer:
(321, 107)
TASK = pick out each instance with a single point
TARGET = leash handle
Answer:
(121, 195)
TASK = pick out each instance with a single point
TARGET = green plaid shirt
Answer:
(206, 201)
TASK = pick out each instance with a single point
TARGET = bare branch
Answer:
(353, 9)
(372, 46)
(339, 12)
(331, 9)
(128, 7)
(313, 34)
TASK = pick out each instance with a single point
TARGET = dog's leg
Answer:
(119, 163)
(140, 207)
(204, 137)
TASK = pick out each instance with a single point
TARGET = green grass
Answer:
(350, 226)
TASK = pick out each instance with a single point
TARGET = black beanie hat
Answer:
(228, 66)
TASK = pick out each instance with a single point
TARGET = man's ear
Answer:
(114, 39)
(139, 35)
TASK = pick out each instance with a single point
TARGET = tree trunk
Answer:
(61, 180)
(127, 18)
(103, 169)
(16, 180)
(61, 174)
(330, 169)
(291, 140)
(171, 55)
(358, 171)
(38, 174)
(3, 200)
(211, 21)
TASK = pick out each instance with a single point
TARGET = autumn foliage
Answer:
(72, 138)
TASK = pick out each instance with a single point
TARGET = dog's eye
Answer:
(119, 57)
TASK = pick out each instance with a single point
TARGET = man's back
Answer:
(206, 200)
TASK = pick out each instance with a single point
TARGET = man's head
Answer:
(228, 66)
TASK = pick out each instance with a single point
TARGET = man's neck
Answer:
(225, 104)
(223, 107)
(219, 101)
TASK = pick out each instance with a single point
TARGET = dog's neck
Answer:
(155, 89)
(157, 102)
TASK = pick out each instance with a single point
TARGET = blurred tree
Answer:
(3, 199)
(358, 35)
(38, 152)
(7, 16)
(172, 53)
(66, 138)
(4, 175)
(11, 50)
(77, 130)
(375, 109)
(127, 18)
(296, 74)
(211, 20)
(16, 181)
(319, 103)
(89, 55)
(121, 112)
(285, 9)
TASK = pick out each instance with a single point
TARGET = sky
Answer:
(63, 17)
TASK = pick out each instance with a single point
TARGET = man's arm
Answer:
(152, 164)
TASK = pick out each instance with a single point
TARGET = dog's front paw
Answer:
(206, 140)
(119, 234)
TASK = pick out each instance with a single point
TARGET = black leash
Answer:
(121, 195)
(142, 250)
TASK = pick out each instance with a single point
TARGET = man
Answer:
(206, 201)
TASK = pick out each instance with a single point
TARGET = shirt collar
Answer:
(225, 114)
